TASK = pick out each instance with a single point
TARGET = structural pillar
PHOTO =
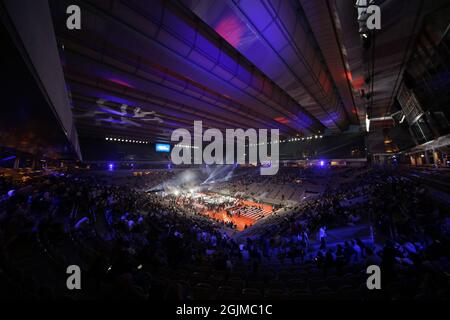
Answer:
(16, 163)
(420, 160)
(436, 157)
(427, 157)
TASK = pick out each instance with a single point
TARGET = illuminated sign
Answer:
(162, 147)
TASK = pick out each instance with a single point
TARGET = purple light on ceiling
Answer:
(111, 120)
(114, 99)
(305, 119)
(231, 30)
(334, 116)
(111, 111)
(8, 158)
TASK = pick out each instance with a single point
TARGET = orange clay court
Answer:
(240, 221)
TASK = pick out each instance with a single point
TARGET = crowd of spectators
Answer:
(134, 244)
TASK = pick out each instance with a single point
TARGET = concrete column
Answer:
(17, 163)
(34, 163)
(420, 160)
(436, 158)
(427, 158)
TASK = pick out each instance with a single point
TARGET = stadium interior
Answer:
(95, 204)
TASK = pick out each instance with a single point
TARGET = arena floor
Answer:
(241, 221)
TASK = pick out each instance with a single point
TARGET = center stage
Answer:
(241, 212)
(246, 213)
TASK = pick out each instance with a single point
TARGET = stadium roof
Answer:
(143, 68)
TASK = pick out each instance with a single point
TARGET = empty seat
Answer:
(315, 284)
(275, 284)
(235, 283)
(335, 282)
(300, 294)
(350, 294)
(255, 284)
(197, 277)
(184, 289)
(324, 293)
(215, 281)
(285, 275)
(227, 293)
(296, 284)
(275, 294)
(202, 291)
(251, 294)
